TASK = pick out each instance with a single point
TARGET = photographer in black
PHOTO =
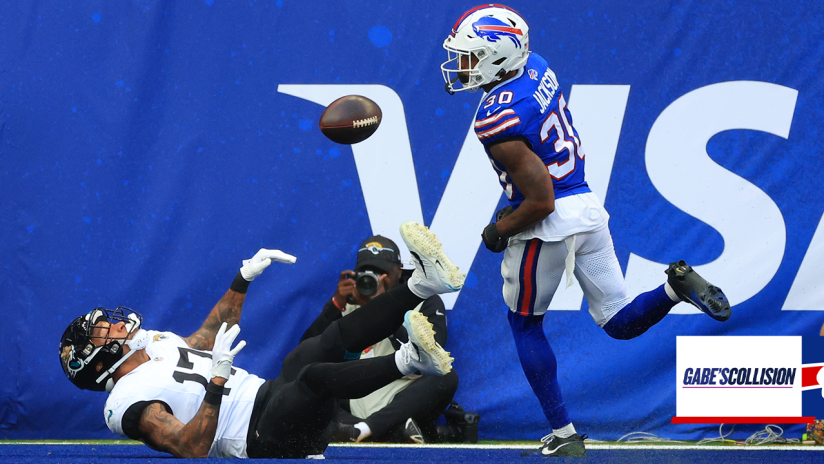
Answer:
(406, 409)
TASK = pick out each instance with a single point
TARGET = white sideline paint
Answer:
(590, 446)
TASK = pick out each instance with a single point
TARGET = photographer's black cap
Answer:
(380, 252)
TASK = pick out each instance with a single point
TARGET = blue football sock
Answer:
(540, 367)
(646, 310)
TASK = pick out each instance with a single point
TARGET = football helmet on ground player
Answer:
(80, 357)
(494, 39)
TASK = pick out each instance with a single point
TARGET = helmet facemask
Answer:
(464, 66)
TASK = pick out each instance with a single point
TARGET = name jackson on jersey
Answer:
(546, 89)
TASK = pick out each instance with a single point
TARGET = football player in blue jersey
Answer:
(554, 222)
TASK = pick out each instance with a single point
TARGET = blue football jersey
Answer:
(532, 106)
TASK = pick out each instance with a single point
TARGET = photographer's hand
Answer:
(383, 285)
(345, 290)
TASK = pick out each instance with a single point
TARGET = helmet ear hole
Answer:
(98, 367)
(499, 61)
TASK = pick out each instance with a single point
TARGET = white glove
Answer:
(263, 258)
(222, 353)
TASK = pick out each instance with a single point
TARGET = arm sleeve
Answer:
(503, 124)
(330, 314)
(131, 418)
(509, 139)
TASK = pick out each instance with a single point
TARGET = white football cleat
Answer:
(422, 354)
(434, 272)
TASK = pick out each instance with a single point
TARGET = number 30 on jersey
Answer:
(565, 139)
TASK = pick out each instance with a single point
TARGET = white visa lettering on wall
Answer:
(675, 151)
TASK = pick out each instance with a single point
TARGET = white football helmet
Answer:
(486, 43)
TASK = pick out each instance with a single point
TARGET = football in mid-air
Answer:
(350, 119)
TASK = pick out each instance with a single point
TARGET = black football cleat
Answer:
(412, 433)
(561, 447)
(693, 289)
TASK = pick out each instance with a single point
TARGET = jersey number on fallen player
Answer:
(184, 363)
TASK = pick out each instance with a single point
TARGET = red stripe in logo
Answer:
(809, 376)
(510, 30)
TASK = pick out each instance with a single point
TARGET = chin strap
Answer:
(448, 87)
(138, 342)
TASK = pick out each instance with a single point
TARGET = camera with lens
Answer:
(367, 282)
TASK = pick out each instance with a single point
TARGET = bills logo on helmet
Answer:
(492, 30)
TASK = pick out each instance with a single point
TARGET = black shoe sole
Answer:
(694, 289)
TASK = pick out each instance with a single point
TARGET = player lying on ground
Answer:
(183, 396)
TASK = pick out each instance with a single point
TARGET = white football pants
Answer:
(532, 270)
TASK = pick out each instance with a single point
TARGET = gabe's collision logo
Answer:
(758, 380)
(740, 377)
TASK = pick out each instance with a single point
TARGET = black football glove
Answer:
(493, 240)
